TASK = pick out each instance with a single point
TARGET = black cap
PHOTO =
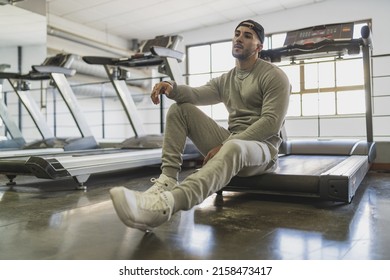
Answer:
(255, 26)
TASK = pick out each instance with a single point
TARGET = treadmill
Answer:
(325, 169)
(12, 161)
(20, 85)
(134, 152)
(17, 140)
(160, 51)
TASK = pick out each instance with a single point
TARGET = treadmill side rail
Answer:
(49, 168)
(341, 182)
(80, 166)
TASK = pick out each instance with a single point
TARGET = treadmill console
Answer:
(318, 41)
(169, 42)
(312, 35)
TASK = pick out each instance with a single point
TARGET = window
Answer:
(208, 61)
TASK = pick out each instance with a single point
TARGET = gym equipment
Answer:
(325, 169)
(12, 161)
(17, 141)
(160, 52)
(81, 165)
(19, 83)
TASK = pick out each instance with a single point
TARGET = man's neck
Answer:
(247, 64)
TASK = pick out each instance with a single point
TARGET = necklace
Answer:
(243, 74)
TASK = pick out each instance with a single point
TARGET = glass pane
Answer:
(311, 76)
(351, 102)
(221, 57)
(327, 103)
(326, 75)
(198, 80)
(292, 72)
(199, 59)
(294, 107)
(350, 72)
(278, 40)
(310, 104)
(266, 44)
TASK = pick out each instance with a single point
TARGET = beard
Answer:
(245, 54)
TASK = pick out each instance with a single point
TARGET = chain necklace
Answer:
(243, 74)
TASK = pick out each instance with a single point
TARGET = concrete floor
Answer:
(43, 219)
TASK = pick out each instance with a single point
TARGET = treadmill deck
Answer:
(326, 177)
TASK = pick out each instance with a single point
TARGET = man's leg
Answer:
(187, 120)
(150, 209)
(236, 157)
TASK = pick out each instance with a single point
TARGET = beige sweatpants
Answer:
(236, 157)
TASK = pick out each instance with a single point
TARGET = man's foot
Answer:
(162, 184)
(143, 211)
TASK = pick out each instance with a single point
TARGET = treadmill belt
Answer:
(313, 165)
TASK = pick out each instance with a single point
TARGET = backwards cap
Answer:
(256, 27)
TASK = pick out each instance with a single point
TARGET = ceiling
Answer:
(132, 19)
(21, 27)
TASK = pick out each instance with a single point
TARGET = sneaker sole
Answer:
(121, 201)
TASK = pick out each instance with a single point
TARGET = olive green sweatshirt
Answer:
(256, 101)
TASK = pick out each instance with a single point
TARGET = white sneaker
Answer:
(143, 211)
(162, 184)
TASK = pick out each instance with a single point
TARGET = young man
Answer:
(256, 95)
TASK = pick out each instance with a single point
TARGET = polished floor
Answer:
(43, 219)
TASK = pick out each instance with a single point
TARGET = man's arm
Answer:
(203, 95)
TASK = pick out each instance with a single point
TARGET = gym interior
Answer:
(67, 115)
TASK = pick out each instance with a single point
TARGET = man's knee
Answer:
(248, 150)
(181, 107)
(185, 112)
(233, 147)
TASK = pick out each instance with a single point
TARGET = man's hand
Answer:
(211, 154)
(160, 88)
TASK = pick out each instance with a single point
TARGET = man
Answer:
(256, 95)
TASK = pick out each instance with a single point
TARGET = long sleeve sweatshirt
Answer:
(256, 100)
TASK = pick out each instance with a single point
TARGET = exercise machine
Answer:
(158, 52)
(12, 161)
(21, 86)
(132, 153)
(326, 169)
(17, 140)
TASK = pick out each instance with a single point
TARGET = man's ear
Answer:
(259, 46)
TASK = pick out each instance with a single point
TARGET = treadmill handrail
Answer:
(29, 76)
(153, 58)
(166, 52)
(49, 69)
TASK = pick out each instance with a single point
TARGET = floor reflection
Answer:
(36, 223)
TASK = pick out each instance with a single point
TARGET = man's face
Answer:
(245, 43)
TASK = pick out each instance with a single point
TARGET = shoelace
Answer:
(154, 202)
(154, 180)
(159, 184)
